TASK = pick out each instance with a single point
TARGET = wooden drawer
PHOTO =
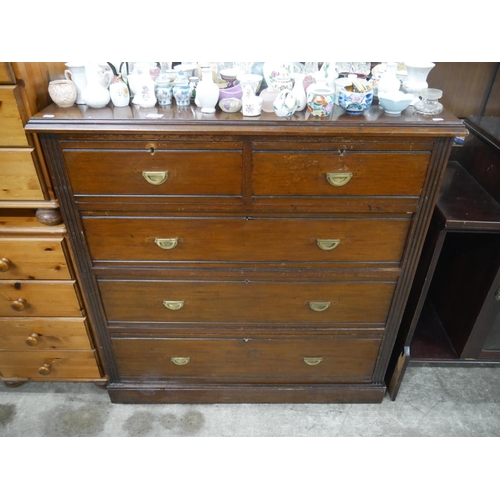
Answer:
(33, 258)
(246, 239)
(352, 174)
(38, 298)
(248, 360)
(185, 172)
(11, 125)
(246, 301)
(18, 176)
(33, 334)
(48, 365)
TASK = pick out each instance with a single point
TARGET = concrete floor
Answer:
(433, 401)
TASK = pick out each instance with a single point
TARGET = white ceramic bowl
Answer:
(393, 103)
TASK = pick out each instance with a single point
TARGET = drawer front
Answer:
(34, 334)
(248, 360)
(38, 298)
(18, 177)
(246, 301)
(166, 173)
(33, 258)
(330, 174)
(43, 365)
(11, 125)
(241, 239)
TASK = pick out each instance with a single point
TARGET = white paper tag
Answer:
(49, 116)
(438, 119)
(154, 115)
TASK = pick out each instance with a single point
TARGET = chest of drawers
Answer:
(44, 333)
(232, 259)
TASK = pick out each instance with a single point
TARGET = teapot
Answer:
(96, 93)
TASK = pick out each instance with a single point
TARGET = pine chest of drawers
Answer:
(232, 259)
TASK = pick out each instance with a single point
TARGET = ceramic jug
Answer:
(96, 93)
(76, 73)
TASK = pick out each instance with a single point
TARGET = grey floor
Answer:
(433, 402)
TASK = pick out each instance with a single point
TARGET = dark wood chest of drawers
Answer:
(232, 259)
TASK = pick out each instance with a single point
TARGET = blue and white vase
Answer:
(182, 90)
(163, 90)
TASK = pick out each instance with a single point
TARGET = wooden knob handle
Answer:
(32, 340)
(4, 264)
(45, 369)
(19, 304)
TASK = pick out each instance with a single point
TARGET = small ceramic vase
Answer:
(163, 89)
(320, 100)
(285, 104)
(207, 91)
(120, 95)
(63, 93)
(182, 90)
(146, 97)
(298, 91)
(251, 105)
(416, 79)
(389, 81)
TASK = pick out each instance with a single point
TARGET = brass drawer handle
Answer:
(155, 178)
(167, 243)
(45, 369)
(180, 361)
(338, 178)
(32, 340)
(4, 264)
(319, 306)
(173, 305)
(313, 361)
(19, 304)
(327, 244)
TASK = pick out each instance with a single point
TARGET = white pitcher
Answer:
(96, 93)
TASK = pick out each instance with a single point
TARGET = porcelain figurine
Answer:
(285, 104)
(207, 91)
(182, 90)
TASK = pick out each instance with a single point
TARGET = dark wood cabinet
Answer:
(453, 314)
(234, 259)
